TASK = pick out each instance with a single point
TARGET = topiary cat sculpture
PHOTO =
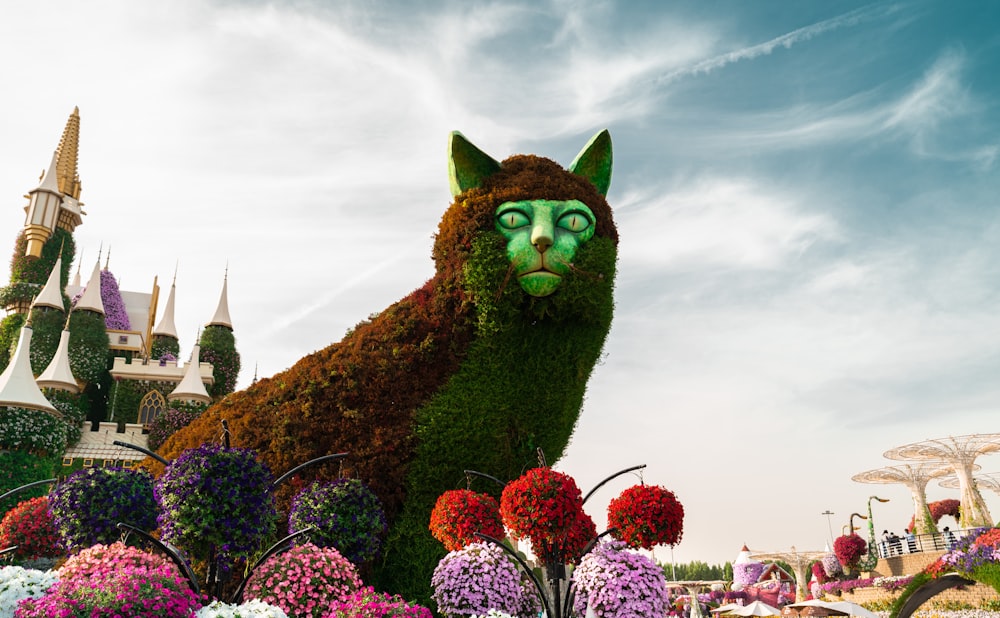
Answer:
(482, 365)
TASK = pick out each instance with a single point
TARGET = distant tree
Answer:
(698, 570)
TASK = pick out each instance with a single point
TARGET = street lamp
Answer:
(829, 525)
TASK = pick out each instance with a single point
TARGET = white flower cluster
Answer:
(18, 583)
(493, 613)
(251, 609)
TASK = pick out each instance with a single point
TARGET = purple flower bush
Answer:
(747, 573)
(88, 505)
(479, 578)
(831, 566)
(366, 603)
(346, 514)
(614, 582)
(213, 497)
(115, 316)
(304, 581)
(171, 421)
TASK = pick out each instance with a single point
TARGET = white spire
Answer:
(166, 324)
(191, 388)
(58, 374)
(221, 317)
(91, 298)
(51, 294)
(76, 277)
(17, 384)
(50, 180)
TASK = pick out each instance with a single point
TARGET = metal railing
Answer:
(912, 544)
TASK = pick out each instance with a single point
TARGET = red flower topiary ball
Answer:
(460, 513)
(645, 516)
(29, 526)
(541, 505)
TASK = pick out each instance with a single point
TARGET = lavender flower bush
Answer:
(88, 505)
(479, 578)
(747, 573)
(614, 582)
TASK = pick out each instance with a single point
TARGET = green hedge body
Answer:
(218, 346)
(467, 371)
(163, 344)
(21, 468)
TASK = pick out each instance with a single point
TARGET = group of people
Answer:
(892, 544)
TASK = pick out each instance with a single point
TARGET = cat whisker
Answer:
(581, 272)
(506, 280)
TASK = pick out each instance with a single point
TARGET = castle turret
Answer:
(218, 346)
(56, 200)
(58, 374)
(221, 317)
(17, 384)
(51, 294)
(90, 300)
(191, 388)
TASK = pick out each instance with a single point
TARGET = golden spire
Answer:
(69, 178)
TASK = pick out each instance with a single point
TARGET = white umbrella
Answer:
(726, 607)
(757, 608)
(844, 607)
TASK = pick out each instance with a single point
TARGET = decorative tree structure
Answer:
(915, 477)
(961, 453)
(989, 481)
(799, 561)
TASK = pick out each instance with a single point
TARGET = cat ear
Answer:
(594, 162)
(468, 166)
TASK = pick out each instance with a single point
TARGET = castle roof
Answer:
(221, 317)
(50, 179)
(17, 384)
(51, 294)
(166, 325)
(191, 388)
(58, 374)
(91, 299)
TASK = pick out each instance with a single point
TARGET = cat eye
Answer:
(574, 221)
(513, 219)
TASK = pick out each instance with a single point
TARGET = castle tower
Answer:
(58, 374)
(191, 388)
(17, 384)
(218, 346)
(164, 337)
(56, 200)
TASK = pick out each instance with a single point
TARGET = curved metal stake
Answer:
(142, 450)
(28, 486)
(610, 478)
(287, 475)
(469, 473)
(180, 562)
(523, 565)
(571, 586)
(279, 546)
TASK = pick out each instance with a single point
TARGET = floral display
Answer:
(747, 573)
(218, 346)
(110, 558)
(88, 505)
(215, 497)
(831, 565)
(614, 582)
(29, 526)
(172, 420)
(645, 516)
(977, 556)
(849, 548)
(939, 509)
(570, 548)
(366, 603)
(128, 592)
(478, 578)
(17, 584)
(115, 316)
(460, 513)
(346, 515)
(32, 431)
(251, 609)
(493, 613)
(541, 505)
(304, 580)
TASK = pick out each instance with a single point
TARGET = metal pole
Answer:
(829, 525)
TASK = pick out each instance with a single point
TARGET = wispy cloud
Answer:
(786, 41)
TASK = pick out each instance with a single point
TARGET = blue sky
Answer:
(805, 191)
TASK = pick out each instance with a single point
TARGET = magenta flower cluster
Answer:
(115, 316)
(115, 582)
(366, 603)
(304, 580)
(478, 578)
(613, 581)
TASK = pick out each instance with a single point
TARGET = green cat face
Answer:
(542, 239)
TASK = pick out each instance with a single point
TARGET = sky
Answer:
(806, 194)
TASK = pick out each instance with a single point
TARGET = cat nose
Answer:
(541, 238)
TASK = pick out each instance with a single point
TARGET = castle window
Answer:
(88, 462)
(151, 406)
(67, 461)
